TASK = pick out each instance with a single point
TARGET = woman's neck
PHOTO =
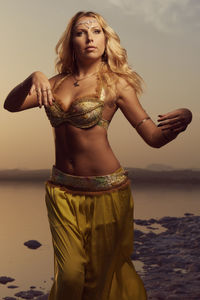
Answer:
(87, 69)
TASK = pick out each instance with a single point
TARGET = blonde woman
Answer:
(88, 196)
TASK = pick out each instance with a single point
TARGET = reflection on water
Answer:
(159, 201)
(23, 217)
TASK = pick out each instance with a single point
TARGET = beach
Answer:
(166, 241)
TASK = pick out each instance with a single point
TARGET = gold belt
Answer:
(89, 183)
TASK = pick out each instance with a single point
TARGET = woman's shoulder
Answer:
(57, 79)
(122, 85)
(130, 82)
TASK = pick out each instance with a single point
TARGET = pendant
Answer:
(76, 83)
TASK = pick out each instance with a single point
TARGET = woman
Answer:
(88, 196)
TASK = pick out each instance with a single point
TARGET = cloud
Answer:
(164, 15)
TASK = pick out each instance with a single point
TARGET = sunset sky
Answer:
(163, 45)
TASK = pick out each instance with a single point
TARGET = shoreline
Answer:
(179, 177)
(170, 259)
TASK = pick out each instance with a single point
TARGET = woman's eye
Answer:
(79, 33)
(97, 31)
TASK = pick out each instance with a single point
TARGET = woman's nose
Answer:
(89, 37)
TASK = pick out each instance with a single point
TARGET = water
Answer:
(23, 217)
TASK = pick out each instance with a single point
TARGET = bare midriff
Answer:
(84, 152)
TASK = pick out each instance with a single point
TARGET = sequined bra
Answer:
(84, 112)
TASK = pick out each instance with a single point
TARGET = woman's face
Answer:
(88, 39)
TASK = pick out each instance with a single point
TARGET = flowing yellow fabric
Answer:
(92, 237)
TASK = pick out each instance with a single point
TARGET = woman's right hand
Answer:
(42, 87)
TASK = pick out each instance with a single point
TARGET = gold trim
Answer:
(121, 186)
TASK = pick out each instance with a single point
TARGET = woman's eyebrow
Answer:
(86, 29)
(96, 26)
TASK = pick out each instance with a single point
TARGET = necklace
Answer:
(76, 83)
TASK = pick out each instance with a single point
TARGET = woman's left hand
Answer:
(176, 121)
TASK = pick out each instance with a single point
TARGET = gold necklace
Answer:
(76, 83)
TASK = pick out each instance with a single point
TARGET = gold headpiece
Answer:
(87, 23)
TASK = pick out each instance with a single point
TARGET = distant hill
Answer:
(145, 176)
(139, 176)
(159, 167)
(24, 175)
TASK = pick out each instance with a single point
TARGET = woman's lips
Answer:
(90, 48)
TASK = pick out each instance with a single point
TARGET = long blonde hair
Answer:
(115, 57)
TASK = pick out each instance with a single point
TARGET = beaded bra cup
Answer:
(84, 112)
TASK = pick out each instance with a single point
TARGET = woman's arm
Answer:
(170, 124)
(34, 91)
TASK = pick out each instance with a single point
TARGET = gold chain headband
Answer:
(87, 23)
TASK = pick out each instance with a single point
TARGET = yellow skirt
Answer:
(92, 234)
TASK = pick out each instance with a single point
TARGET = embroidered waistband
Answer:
(89, 183)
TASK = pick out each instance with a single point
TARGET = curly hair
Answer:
(114, 58)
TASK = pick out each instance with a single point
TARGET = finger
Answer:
(39, 97)
(174, 121)
(187, 121)
(168, 116)
(173, 127)
(161, 117)
(181, 129)
(49, 96)
(44, 97)
(32, 89)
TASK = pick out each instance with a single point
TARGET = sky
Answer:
(163, 46)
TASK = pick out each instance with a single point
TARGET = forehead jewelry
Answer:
(87, 23)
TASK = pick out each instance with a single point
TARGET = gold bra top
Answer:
(84, 112)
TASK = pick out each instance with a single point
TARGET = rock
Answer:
(137, 233)
(150, 227)
(170, 258)
(44, 297)
(171, 267)
(5, 279)
(195, 267)
(152, 221)
(188, 214)
(32, 244)
(30, 294)
(12, 286)
(141, 222)
(151, 234)
(9, 298)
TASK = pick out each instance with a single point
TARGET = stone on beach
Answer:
(171, 266)
(44, 297)
(171, 258)
(32, 244)
(30, 294)
(5, 279)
